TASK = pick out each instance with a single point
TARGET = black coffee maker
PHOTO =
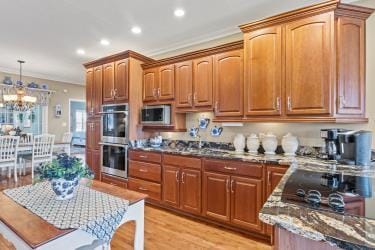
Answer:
(348, 146)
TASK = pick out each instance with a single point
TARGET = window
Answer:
(80, 120)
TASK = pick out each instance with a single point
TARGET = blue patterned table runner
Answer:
(94, 212)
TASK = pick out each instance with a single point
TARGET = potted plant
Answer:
(64, 174)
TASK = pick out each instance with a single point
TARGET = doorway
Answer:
(77, 122)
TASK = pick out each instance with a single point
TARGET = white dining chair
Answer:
(67, 137)
(42, 151)
(26, 139)
(8, 154)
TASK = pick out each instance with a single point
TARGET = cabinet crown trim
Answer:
(332, 5)
(118, 56)
(195, 54)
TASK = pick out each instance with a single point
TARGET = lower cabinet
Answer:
(115, 181)
(146, 187)
(182, 188)
(233, 199)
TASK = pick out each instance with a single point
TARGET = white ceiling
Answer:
(47, 33)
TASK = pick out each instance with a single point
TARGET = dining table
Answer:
(26, 230)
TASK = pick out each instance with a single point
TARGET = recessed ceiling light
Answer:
(104, 42)
(136, 30)
(179, 12)
(81, 51)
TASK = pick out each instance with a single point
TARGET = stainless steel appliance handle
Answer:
(113, 144)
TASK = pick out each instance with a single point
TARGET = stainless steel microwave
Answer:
(156, 115)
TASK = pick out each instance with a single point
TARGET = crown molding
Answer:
(39, 76)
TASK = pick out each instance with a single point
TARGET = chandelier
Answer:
(18, 98)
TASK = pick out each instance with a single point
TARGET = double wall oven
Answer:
(114, 139)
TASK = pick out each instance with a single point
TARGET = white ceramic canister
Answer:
(253, 143)
(269, 143)
(289, 144)
(239, 143)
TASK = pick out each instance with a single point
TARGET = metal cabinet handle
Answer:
(111, 183)
(227, 185)
(232, 186)
(115, 93)
(269, 178)
(143, 156)
(142, 189)
(289, 103)
(195, 96)
(216, 107)
(143, 170)
(112, 93)
(190, 99)
(278, 103)
(158, 92)
(342, 101)
(229, 168)
(177, 180)
(183, 177)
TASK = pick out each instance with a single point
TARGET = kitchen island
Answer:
(296, 225)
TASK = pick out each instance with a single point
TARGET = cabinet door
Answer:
(150, 84)
(108, 82)
(203, 82)
(88, 157)
(351, 66)
(171, 185)
(263, 72)
(274, 175)
(309, 65)
(89, 137)
(96, 134)
(184, 84)
(190, 194)
(89, 91)
(216, 196)
(228, 83)
(97, 90)
(121, 90)
(166, 82)
(246, 202)
(96, 164)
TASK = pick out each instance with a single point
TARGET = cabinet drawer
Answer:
(153, 190)
(114, 180)
(182, 161)
(146, 171)
(233, 167)
(145, 156)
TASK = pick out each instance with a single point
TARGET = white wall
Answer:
(308, 133)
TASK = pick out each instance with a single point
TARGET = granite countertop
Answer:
(344, 231)
(279, 159)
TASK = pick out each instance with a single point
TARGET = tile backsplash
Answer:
(308, 133)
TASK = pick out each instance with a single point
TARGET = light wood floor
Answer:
(165, 230)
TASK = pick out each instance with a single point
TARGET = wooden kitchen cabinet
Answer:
(93, 91)
(246, 202)
(216, 196)
(94, 163)
(165, 89)
(182, 183)
(108, 82)
(93, 134)
(203, 82)
(351, 66)
(228, 84)
(184, 84)
(150, 84)
(171, 186)
(263, 71)
(190, 191)
(121, 90)
(308, 59)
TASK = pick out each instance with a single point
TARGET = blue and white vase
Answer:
(64, 189)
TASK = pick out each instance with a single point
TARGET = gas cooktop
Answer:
(333, 192)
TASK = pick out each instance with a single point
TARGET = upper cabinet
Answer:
(159, 84)
(307, 65)
(194, 84)
(263, 71)
(308, 60)
(95, 91)
(115, 82)
(228, 83)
